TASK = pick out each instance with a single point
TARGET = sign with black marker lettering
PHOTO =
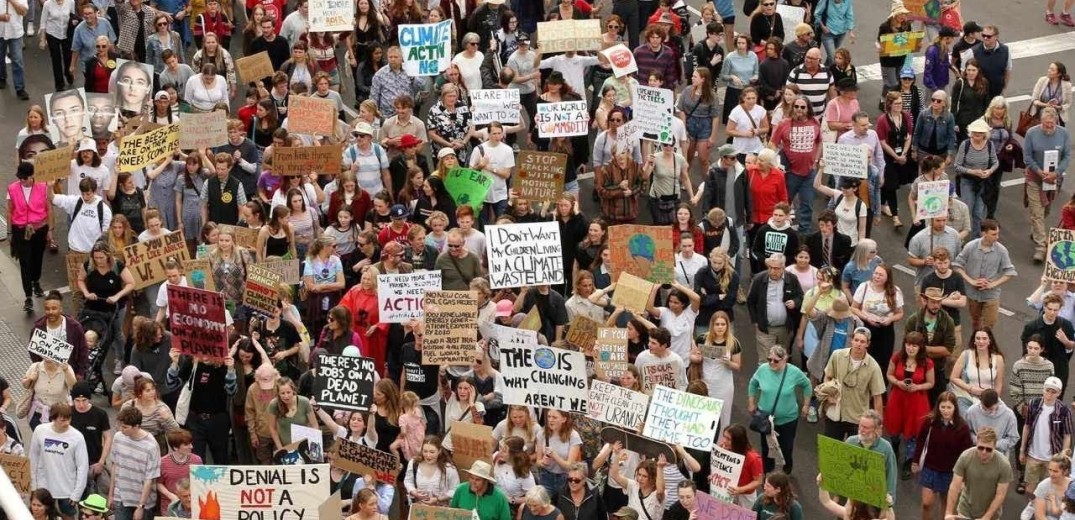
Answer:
(400, 296)
(616, 405)
(258, 492)
(524, 254)
(197, 322)
(677, 417)
(545, 377)
(344, 382)
(146, 259)
(49, 347)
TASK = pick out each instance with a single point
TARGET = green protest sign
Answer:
(468, 186)
(852, 472)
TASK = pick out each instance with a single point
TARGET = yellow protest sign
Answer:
(138, 151)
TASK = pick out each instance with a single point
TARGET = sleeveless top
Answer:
(386, 432)
(276, 246)
(32, 209)
(975, 375)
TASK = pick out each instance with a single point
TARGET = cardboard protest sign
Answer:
(545, 377)
(146, 259)
(138, 151)
(658, 374)
(488, 105)
(288, 269)
(424, 512)
(610, 351)
(677, 417)
(254, 67)
(851, 471)
(471, 442)
(639, 444)
(331, 15)
(653, 111)
(540, 175)
(932, 199)
(644, 251)
(569, 35)
(467, 186)
(314, 441)
(244, 236)
(532, 320)
(261, 290)
(632, 293)
(344, 382)
(846, 160)
(200, 274)
(901, 43)
(301, 160)
(76, 262)
(524, 254)
(562, 119)
(356, 458)
(248, 492)
(725, 468)
(622, 60)
(197, 322)
(310, 115)
(791, 16)
(53, 165)
(427, 48)
(715, 351)
(627, 139)
(18, 470)
(710, 508)
(582, 333)
(49, 347)
(400, 296)
(330, 509)
(1060, 260)
(451, 328)
(616, 405)
(200, 131)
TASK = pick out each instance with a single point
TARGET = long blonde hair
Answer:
(729, 337)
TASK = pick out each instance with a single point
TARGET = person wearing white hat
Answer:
(1047, 431)
(480, 494)
(976, 161)
(896, 22)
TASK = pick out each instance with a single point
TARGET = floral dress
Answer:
(449, 125)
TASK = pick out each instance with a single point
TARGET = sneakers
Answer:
(28, 305)
(37, 290)
(30, 29)
(811, 415)
(117, 368)
(1065, 19)
(1050, 18)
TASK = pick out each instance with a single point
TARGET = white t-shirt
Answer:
(475, 243)
(875, 302)
(1039, 445)
(681, 327)
(847, 222)
(743, 123)
(162, 295)
(635, 501)
(687, 269)
(86, 228)
(100, 174)
(470, 69)
(500, 156)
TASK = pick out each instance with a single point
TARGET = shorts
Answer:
(935, 481)
(67, 507)
(728, 20)
(699, 128)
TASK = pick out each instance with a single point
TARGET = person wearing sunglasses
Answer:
(980, 482)
(94, 507)
(994, 59)
(774, 391)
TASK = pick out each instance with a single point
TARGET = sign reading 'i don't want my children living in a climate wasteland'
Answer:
(524, 254)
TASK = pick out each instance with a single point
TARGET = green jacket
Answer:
(491, 505)
(944, 332)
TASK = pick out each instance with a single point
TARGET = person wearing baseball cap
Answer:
(397, 229)
(480, 494)
(404, 167)
(1036, 448)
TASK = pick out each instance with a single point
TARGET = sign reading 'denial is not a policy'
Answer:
(545, 377)
(427, 48)
(524, 254)
(258, 492)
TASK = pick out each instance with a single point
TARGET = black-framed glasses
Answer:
(987, 449)
(800, 106)
(162, 24)
(455, 246)
(575, 480)
(775, 360)
(988, 36)
(768, 4)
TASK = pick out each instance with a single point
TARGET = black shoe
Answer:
(22, 95)
(905, 471)
(37, 290)
(3, 84)
(28, 305)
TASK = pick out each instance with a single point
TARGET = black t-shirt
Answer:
(421, 379)
(93, 424)
(104, 286)
(209, 394)
(282, 338)
(953, 283)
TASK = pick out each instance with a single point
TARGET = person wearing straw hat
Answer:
(975, 162)
(479, 494)
(896, 22)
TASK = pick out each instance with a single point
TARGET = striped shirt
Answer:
(970, 158)
(133, 463)
(814, 86)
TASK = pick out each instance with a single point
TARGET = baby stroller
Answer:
(101, 323)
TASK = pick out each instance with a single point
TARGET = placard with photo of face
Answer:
(101, 112)
(68, 118)
(132, 86)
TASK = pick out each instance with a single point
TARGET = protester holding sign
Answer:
(51, 383)
(57, 324)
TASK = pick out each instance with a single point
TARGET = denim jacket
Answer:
(946, 130)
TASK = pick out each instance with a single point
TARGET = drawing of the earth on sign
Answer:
(545, 358)
(932, 204)
(1062, 255)
(643, 251)
(604, 355)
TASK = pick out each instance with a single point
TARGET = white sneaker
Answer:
(117, 368)
(30, 29)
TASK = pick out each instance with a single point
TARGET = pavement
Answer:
(1035, 44)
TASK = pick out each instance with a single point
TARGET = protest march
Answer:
(537, 260)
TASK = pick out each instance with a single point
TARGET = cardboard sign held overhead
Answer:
(288, 269)
(197, 319)
(471, 442)
(200, 131)
(540, 176)
(488, 105)
(309, 115)
(344, 382)
(622, 60)
(562, 119)
(53, 165)
(610, 351)
(356, 458)
(644, 251)
(254, 67)
(331, 15)
(138, 151)
(426, 48)
(146, 260)
(569, 35)
(582, 333)
(545, 377)
(632, 293)
(244, 236)
(400, 297)
(451, 319)
(293, 161)
(524, 254)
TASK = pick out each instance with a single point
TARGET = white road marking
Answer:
(1013, 182)
(911, 272)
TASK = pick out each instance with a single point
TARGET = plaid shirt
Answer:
(1060, 420)
(128, 27)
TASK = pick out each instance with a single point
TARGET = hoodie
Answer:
(771, 238)
(592, 507)
(1003, 421)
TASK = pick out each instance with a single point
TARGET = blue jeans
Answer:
(13, 49)
(804, 187)
(970, 192)
(831, 42)
(553, 482)
(875, 190)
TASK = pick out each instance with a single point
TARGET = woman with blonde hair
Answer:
(519, 423)
(36, 124)
(715, 358)
(1009, 152)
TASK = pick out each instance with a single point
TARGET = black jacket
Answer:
(708, 287)
(714, 195)
(592, 507)
(756, 304)
(841, 249)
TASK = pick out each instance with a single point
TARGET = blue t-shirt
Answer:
(839, 335)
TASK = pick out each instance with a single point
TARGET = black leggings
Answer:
(30, 253)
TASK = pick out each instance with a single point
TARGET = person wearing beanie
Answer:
(29, 217)
(92, 421)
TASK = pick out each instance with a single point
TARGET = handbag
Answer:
(759, 420)
(182, 406)
(1026, 122)
(22, 409)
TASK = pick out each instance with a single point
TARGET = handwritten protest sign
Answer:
(610, 351)
(653, 110)
(715, 351)
(677, 417)
(846, 160)
(725, 468)
(545, 377)
(261, 290)
(616, 405)
(146, 259)
(138, 151)
(901, 43)
(76, 263)
(301, 160)
(532, 320)
(632, 293)
(582, 333)
(400, 296)
(471, 442)
(53, 165)
(427, 48)
(310, 115)
(540, 175)
(644, 251)
(344, 382)
(499, 335)
(622, 60)
(200, 131)
(18, 470)
(524, 254)
(244, 236)
(791, 16)
(315, 444)
(288, 269)
(468, 187)
(49, 347)
(451, 327)
(658, 374)
(331, 15)
(569, 35)
(932, 199)
(197, 322)
(698, 33)
(254, 67)
(562, 119)
(710, 508)
(627, 139)
(250, 491)
(424, 512)
(488, 105)
(1060, 260)
(851, 471)
(200, 274)
(356, 458)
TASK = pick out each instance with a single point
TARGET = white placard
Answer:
(524, 254)
(500, 104)
(616, 405)
(315, 442)
(725, 468)
(427, 48)
(1050, 162)
(331, 15)
(399, 296)
(544, 377)
(678, 417)
(653, 111)
(622, 60)
(563, 119)
(50, 347)
(932, 199)
(846, 160)
(791, 16)
(254, 492)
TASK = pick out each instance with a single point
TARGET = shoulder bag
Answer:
(182, 406)
(759, 420)
(828, 135)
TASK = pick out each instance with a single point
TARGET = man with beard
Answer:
(939, 330)
(869, 437)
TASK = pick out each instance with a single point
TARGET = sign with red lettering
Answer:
(197, 322)
(400, 296)
(261, 292)
(725, 471)
(258, 492)
(363, 460)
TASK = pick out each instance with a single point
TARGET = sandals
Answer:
(53, 247)
(896, 222)
(1021, 488)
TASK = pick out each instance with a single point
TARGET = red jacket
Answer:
(765, 192)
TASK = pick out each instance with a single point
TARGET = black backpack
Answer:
(100, 213)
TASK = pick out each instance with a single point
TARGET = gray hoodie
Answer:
(1003, 421)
